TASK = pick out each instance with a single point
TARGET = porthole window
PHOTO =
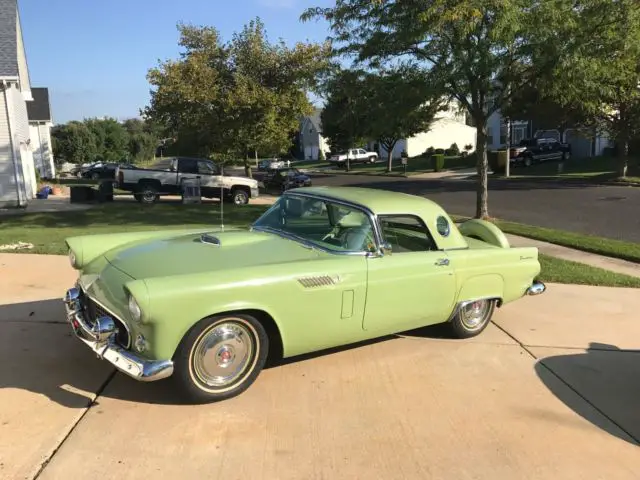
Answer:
(443, 227)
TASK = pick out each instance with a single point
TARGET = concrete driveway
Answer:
(549, 391)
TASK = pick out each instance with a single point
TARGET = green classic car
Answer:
(323, 267)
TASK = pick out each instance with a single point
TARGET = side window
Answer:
(187, 165)
(406, 233)
(207, 168)
(361, 152)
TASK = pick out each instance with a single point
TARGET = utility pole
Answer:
(508, 166)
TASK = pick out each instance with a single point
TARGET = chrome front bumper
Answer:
(101, 339)
(536, 288)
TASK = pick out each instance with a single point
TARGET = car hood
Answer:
(190, 254)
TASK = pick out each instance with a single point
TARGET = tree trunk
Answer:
(623, 155)
(247, 165)
(482, 167)
(389, 160)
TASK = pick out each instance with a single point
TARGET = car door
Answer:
(412, 286)
(210, 179)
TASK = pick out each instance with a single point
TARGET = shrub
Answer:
(438, 162)
(439, 151)
(430, 151)
(454, 149)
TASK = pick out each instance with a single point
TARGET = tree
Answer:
(398, 104)
(111, 139)
(143, 140)
(602, 76)
(73, 142)
(477, 52)
(240, 97)
(532, 104)
(342, 117)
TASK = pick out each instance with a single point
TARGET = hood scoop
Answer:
(210, 239)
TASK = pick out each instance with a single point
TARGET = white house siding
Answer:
(41, 147)
(442, 134)
(8, 191)
(20, 128)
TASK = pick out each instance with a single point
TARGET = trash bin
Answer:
(105, 191)
(80, 194)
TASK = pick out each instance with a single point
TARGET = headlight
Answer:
(72, 258)
(134, 309)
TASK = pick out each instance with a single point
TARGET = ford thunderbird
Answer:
(322, 267)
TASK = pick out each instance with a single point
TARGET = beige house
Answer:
(449, 127)
(17, 172)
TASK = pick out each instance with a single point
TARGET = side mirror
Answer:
(386, 248)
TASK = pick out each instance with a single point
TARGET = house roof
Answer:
(9, 38)
(316, 120)
(39, 110)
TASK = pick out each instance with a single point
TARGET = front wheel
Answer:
(239, 197)
(565, 156)
(220, 357)
(372, 159)
(472, 318)
(528, 161)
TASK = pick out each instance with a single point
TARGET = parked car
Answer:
(283, 179)
(166, 177)
(323, 267)
(535, 150)
(99, 171)
(354, 155)
(271, 164)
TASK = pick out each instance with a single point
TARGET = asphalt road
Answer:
(605, 211)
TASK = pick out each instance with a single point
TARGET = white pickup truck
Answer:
(355, 155)
(166, 176)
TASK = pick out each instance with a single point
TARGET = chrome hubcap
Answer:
(475, 313)
(223, 354)
(239, 199)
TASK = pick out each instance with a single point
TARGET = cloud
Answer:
(277, 3)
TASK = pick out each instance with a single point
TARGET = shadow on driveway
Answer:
(604, 375)
(39, 353)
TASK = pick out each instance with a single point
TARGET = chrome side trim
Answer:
(102, 342)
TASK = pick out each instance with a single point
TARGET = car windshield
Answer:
(324, 223)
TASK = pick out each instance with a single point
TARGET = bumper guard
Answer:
(536, 288)
(101, 339)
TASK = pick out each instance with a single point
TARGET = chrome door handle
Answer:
(441, 262)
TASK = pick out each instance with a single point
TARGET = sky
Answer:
(94, 55)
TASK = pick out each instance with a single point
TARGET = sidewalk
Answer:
(600, 261)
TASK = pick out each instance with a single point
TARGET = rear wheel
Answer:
(147, 194)
(528, 161)
(472, 318)
(220, 357)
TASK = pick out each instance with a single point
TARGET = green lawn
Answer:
(587, 243)
(415, 165)
(595, 169)
(47, 231)
(557, 270)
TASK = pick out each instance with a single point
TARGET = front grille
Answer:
(92, 311)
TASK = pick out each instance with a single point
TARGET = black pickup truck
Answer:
(535, 150)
